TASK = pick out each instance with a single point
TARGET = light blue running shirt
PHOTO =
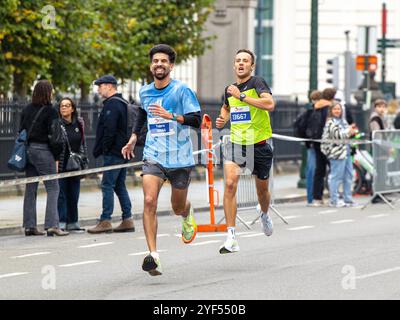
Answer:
(168, 142)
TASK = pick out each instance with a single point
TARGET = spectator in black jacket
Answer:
(74, 141)
(111, 137)
(41, 160)
(318, 122)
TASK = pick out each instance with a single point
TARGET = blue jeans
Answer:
(310, 171)
(114, 181)
(341, 172)
(68, 199)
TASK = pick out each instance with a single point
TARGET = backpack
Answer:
(132, 114)
(300, 124)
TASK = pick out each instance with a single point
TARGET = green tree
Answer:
(25, 43)
(72, 42)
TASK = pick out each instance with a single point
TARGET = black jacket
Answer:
(42, 129)
(82, 150)
(111, 132)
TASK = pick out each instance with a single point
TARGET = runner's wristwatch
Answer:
(174, 117)
(242, 96)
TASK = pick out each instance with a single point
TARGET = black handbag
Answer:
(76, 161)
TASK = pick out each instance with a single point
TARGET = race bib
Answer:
(240, 115)
(160, 127)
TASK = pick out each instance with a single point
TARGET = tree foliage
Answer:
(72, 42)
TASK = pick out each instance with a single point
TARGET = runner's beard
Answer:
(161, 76)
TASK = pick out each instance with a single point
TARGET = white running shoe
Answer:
(267, 224)
(230, 246)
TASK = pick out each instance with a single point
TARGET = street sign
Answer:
(366, 42)
(389, 43)
(372, 62)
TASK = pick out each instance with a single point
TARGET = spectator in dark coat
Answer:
(41, 160)
(111, 137)
(74, 141)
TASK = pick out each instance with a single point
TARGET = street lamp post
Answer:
(313, 80)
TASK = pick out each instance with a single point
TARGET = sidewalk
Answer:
(90, 202)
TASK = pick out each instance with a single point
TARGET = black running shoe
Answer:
(152, 265)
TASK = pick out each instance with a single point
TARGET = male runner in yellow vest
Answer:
(247, 103)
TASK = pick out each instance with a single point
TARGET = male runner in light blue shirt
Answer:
(170, 108)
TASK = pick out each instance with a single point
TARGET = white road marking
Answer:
(357, 207)
(217, 234)
(341, 221)
(204, 243)
(158, 236)
(243, 233)
(253, 235)
(292, 217)
(79, 263)
(211, 235)
(327, 211)
(31, 255)
(378, 215)
(377, 273)
(300, 228)
(144, 253)
(8, 275)
(100, 244)
(163, 235)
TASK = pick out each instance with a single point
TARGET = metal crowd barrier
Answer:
(386, 158)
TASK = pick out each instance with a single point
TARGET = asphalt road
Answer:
(324, 253)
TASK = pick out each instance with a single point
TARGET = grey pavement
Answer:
(324, 253)
(90, 202)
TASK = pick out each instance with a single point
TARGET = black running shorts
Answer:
(257, 158)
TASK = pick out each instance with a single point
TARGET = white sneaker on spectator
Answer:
(317, 203)
(339, 204)
(351, 204)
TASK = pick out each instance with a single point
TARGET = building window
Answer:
(264, 39)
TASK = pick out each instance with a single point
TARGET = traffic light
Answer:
(333, 69)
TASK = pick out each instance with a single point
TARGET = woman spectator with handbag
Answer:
(38, 118)
(73, 157)
(338, 154)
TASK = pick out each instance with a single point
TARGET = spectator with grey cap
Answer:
(111, 136)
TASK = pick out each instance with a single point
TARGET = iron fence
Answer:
(282, 123)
